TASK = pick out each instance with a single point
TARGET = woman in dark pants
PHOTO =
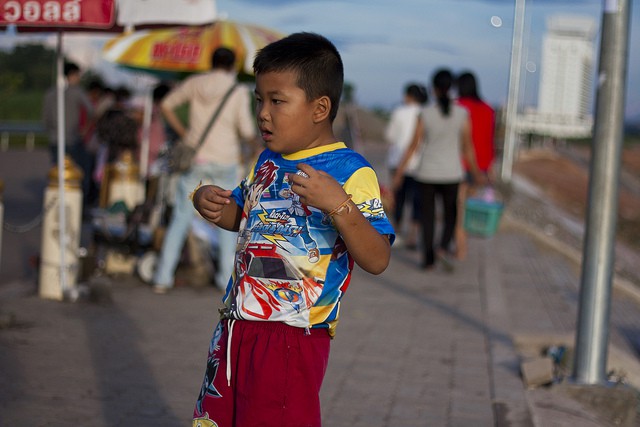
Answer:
(448, 193)
(444, 131)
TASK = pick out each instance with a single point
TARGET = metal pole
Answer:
(61, 152)
(510, 135)
(146, 128)
(598, 252)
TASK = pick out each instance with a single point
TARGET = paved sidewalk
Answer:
(413, 348)
(420, 349)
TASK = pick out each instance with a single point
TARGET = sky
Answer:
(386, 44)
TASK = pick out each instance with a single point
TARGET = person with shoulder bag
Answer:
(182, 153)
(220, 119)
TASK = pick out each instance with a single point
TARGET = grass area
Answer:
(22, 106)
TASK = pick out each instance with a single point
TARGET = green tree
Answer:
(27, 67)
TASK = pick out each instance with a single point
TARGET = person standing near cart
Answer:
(482, 119)
(218, 157)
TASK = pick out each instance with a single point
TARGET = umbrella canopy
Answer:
(188, 49)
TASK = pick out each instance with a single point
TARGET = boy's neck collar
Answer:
(303, 154)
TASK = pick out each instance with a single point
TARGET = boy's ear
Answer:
(323, 109)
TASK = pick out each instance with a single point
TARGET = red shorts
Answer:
(274, 378)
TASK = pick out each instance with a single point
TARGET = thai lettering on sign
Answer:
(176, 52)
(57, 12)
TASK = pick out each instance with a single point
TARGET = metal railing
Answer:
(28, 129)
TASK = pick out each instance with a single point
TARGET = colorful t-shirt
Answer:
(291, 264)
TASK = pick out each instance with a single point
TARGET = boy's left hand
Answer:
(317, 188)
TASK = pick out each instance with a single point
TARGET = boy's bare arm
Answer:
(216, 205)
(369, 249)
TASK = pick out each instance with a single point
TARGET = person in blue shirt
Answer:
(308, 209)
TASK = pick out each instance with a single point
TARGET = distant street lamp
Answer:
(510, 137)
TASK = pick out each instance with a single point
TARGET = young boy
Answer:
(307, 210)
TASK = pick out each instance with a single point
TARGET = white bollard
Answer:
(50, 284)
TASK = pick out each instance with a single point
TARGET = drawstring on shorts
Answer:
(229, 335)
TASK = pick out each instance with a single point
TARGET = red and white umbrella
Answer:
(188, 50)
(174, 52)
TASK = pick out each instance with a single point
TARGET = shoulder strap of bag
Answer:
(215, 115)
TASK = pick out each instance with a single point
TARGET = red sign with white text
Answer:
(58, 13)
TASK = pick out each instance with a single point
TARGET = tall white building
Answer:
(566, 79)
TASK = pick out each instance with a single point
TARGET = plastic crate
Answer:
(482, 217)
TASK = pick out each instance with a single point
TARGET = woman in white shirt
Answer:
(398, 134)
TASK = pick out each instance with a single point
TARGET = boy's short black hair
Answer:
(314, 58)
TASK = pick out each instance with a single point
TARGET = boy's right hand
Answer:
(209, 201)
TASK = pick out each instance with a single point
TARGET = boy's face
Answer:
(286, 118)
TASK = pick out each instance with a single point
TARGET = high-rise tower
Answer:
(567, 67)
(566, 80)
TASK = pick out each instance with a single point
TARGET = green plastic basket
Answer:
(481, 217)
